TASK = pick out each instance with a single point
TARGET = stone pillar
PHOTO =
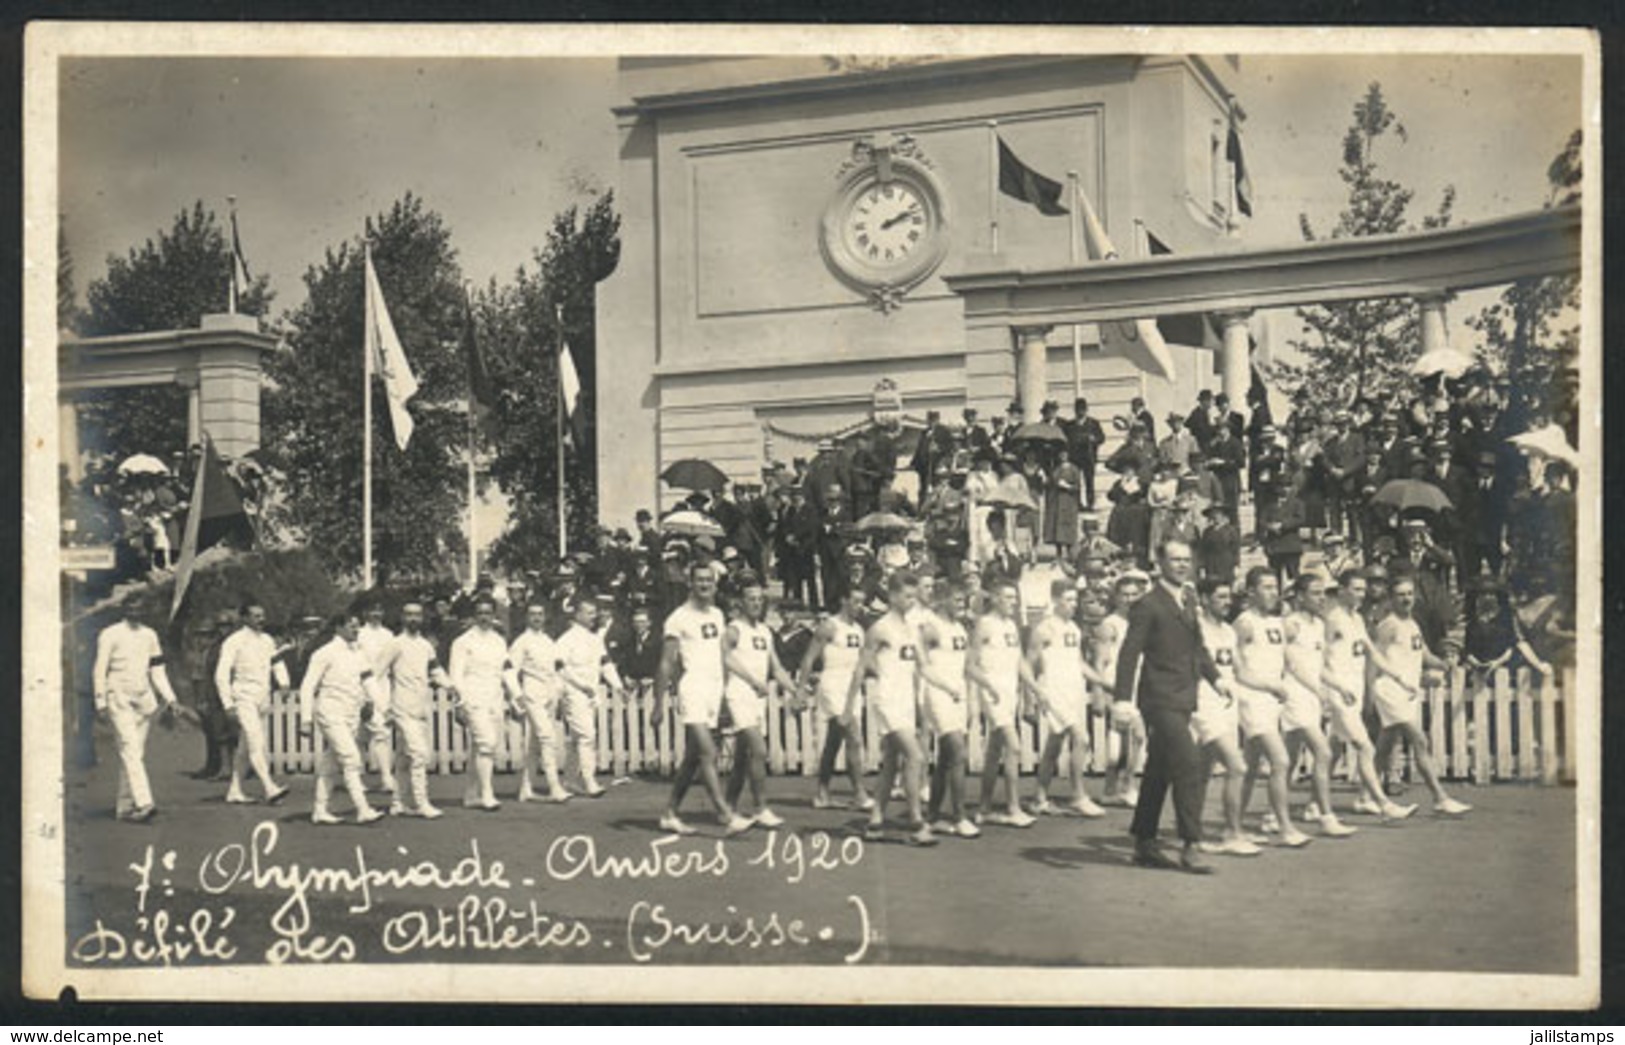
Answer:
(194, 408)
(67, 436)
(1434, 337)
(990, 368)
(1235, 364)
(228, 382)
(1032, 368)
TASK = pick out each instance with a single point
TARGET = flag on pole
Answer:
(1138, 339)
(239, 263)
(1244, 181)
(480, 394)
(1020, 181)
(214, 514)
(1194, 329)
(389, 359)
(570, 388)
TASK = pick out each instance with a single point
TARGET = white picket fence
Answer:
(1516, 726)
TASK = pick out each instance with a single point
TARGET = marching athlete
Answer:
(1348, 650)
(691, 663)
(411, 668)
(249, 663)
(751, 663)
(1261, 690)
(944, 644)
(891, 652)
(535, 659)
(1216, 722)
(337, 696)
(1398, 659)
(375, 639)
(1127, 725)
(1305, 632)
(131, 686)
(585, 663)
(839, 642)
(482, 679)
(996, 665)
(1055, 657)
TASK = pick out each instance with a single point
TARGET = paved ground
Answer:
(1492, 892)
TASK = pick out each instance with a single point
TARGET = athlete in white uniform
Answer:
(752, 664)
(1398, 659)
(584, 664)
(838, 643)
(375, 640)
(1125, 742)
(1300, 714)
(1348, 649)
(337, 695)
(535, 659)
(996, 665)
(1055, 657)
(484, 684)
(1216, 723)
(128, 684)
(891, 651)
(250, 664)
(691, 663)
(411, 669)
(944, 644)
(1260, 692)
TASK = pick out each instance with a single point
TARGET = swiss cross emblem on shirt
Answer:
(959, 643)
(1273, 635)
(1224, 658)
(1009, 638)
(758, 643)
(905, 651)
(708, 630)
(1416, 642)
(1071, 640)
(1358, 649)
(854, 641)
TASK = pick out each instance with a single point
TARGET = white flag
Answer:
(389, 359)
(1138, 339)
(569, 381)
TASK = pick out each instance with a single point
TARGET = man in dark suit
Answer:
(1164, 647)
(1084, 438)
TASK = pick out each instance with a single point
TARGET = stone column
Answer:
(990, 368)
(1235, 363)
(194, 407)
(1434, 336)
(67, 436)
(1032, 368)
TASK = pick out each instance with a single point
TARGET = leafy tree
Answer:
(1532, 334)
(1362, 348)
(167, 284)
(520, 333)
(312, 408)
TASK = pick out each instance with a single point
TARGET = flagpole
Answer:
(473, 483)
(366, 429)
(993, 183)
(1072, 245)
(558, 427)
(231, 284)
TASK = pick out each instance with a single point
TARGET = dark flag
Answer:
(1027, 185)
(1195, 329)
(480, 392)
(1244, 181)
(215, 515)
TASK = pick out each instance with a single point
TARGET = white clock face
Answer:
(885, 224)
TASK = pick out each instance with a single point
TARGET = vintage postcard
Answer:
(812, 514)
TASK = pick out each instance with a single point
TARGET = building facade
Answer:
(787, 224)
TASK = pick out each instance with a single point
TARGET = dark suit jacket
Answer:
(1170, 644)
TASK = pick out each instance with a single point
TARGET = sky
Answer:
(499, 145)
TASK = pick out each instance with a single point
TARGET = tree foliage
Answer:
(1362, 348)
(313, 406)
(519, 330)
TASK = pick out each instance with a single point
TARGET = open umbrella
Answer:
(1009, 498)
(1038, 432)
(1549, 442)
(1446, 361)
(143, 464)
(1412, 495)
(691, 473)
(883, 521)
(691, 524)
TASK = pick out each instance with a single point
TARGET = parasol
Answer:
(691, 473)
(1007, 498)
(883, 521)
(1549, 442)
(1412, 495)
(690, 523)
(143, 464)
(1038, 432)
(1446, 361)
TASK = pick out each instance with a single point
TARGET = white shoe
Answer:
(1112, 798)
(736, 825)
(429, 812)
(966, 829)
(1451, 807)
(1294, 839)
(768, 818)
(1042, 807)
(943, 826)
(525, 795)
(1269, 824)
(1131, 797)
(921, 836)
(369, 816)
(672, 824)
(239, 799)
(823, 802)
(1238, 847)
(1364, 805)
(1398, 811)
(322, 816)
(1311, 813)
(1332, 827)
(864, 804)
(1083, 805)
(397, 808)
(1020, 819)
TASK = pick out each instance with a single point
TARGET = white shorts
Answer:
(746, 707)
(1302, 708)
(1216, 716)
(999, 710)
(944, 713)
(1260, 713)
(1394, 705)
(892, 712)
(1346, 721)
(485, 728)
(1064, 711)
(831, 699)
(700, 709)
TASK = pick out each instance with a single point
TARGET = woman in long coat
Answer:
(1061, 506)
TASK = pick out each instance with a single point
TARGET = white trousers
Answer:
(131, 715)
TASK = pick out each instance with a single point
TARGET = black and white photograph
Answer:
(839, 515)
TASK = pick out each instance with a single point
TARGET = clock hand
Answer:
(894, 219)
